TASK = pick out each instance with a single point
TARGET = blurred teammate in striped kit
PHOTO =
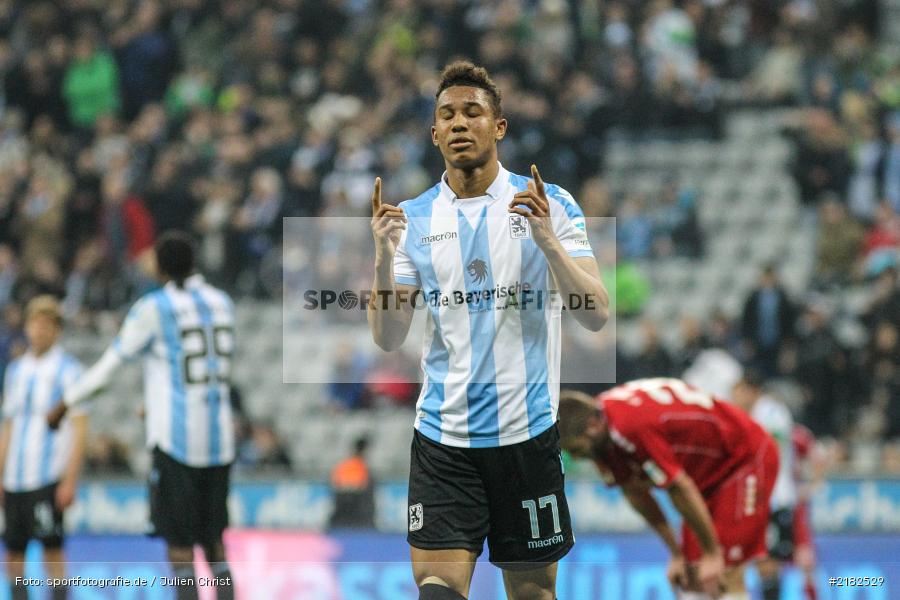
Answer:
(40, 466)
(184, 334)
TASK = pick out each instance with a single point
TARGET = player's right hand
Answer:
(65, 493)
(711, 574)
(388, 222)
(55, 416)
(677, 572)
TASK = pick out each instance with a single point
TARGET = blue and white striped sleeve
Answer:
(10, 404)
(72, 373)
(405, 271)
(138, 330)
(137, 333)
(568, 222)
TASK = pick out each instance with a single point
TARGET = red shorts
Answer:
(740, 509)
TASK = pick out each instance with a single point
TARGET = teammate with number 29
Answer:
(184, 332)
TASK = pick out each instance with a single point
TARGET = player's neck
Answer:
(472, 183)
(39, 352)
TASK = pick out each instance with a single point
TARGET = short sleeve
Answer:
(138, 330)
(648, 447)
(568, 223)
(776, 419)
(73, 372)
(782, 426)
(405, 271)
(9, 399)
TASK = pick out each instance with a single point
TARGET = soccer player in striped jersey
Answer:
(184, 332)
(482, 249)
(809, 468)
(40, 466)
(749, 394)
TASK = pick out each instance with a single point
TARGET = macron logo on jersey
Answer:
(427, 240)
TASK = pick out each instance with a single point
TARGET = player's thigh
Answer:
(212, 508)
(534, 584)
(530, 522)
(18, 512)
(447, 502)
(48, 519)
(780, 537)
(450, 567)
(173, 501)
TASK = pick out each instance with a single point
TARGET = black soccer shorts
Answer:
(188, 505)
(780, 534)
(32, 515)
(512, 495)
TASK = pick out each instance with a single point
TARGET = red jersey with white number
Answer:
(661, 427)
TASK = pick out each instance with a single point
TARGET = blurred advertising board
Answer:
(121, 507)
(374, 566)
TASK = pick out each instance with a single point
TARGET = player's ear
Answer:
(434, 139)
(596, 425)
(501, 129)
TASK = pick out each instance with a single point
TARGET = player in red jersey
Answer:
(808, 472)
(718, 466)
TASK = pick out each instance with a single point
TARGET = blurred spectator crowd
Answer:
(121, 119)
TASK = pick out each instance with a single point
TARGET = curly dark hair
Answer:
(175, 255)
(463, 72)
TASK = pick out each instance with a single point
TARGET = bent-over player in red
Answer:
(718, 466)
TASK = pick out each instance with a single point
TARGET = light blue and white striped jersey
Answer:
(491, 351)
(776, 419)
(37, 456)
(186, 339)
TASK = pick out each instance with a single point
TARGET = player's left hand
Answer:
(534, 206)
(65, 494)
(55, 416)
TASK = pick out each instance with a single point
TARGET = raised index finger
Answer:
(376, 196)
(538, 182)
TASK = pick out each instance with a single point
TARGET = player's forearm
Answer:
(5, 433)
(644, 503)
(688, 501)
(96, 378)
(79, 445)
(583, 293)
(388, 318)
